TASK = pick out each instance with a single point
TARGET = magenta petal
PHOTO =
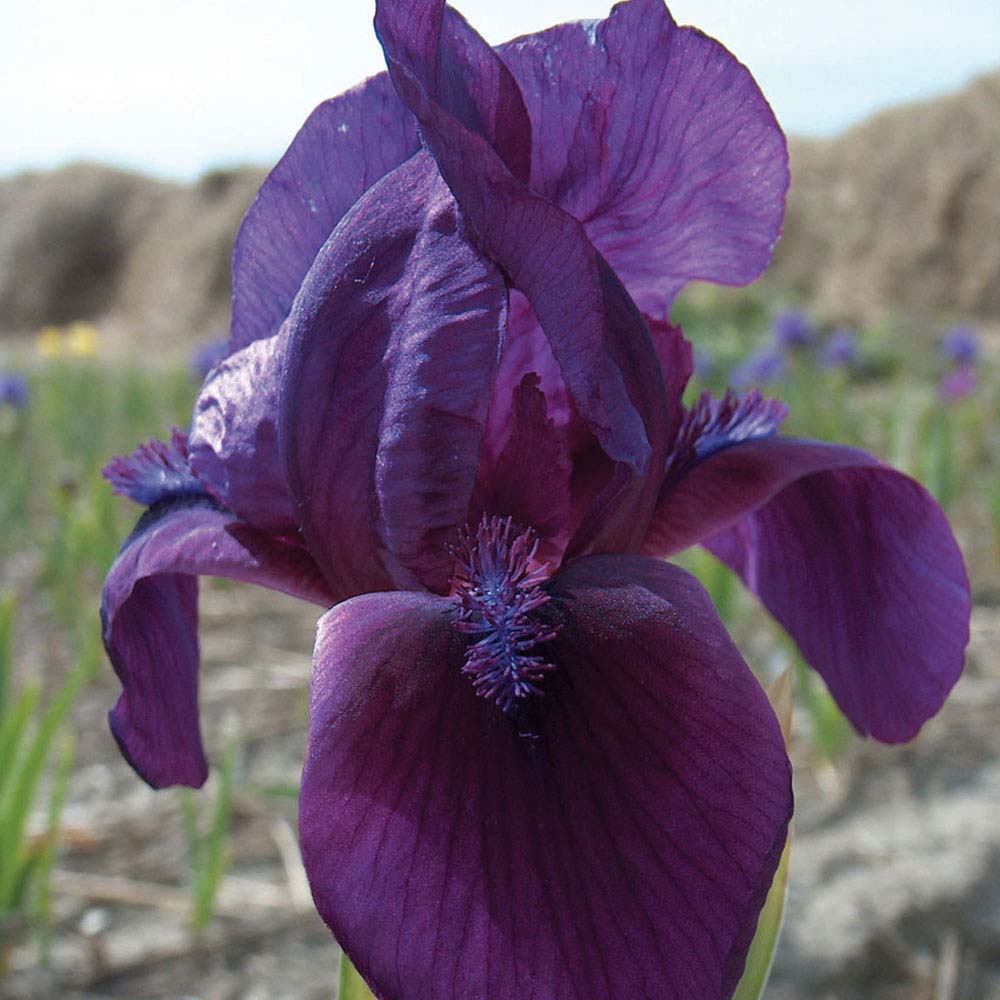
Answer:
(393, 345)
(233, 445)
(597, 335)
(149, 613)
(346, 145)
(624, 852)
(660, 142)
(861, 568)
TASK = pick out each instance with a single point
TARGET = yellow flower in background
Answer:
(82, 339)
(48, 340)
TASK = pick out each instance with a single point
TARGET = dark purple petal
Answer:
(529, 479)
(701, 498)
(233, 446)
(677, 360)
(345, 146)
(861, 568)
(149, 613)
(393, 345)
(596, 334)
(624, 851)
(155, 471)
(660, 142)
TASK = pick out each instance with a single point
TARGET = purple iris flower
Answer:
(840, 350)
(960, 346)
(14, 391)
(762, 368)
(537, 765)
(793, 330)
(957, 384)
(704, 364)
(206, 356)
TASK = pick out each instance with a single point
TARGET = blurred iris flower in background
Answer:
(960, 346)
(840, 350)
(793, 331)
(764, 367)
(960, 349)
(14, 391)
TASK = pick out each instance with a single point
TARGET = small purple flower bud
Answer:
(14, 391)
(793, 331)
(960, 346)
(207, 356)
(840, 350)
(765, 366)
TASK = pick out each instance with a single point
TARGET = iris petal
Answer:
(529, 479)
(393, 345)
(660, 142)
(233, 445)
(623, 851)
(346, 144)
(861, 568)
(719, 491)
(597, 335)
(856, 561)
(149, 614)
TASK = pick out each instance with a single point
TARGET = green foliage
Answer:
(56, 508)
(352, 986)
(208, 852)
(28, 733)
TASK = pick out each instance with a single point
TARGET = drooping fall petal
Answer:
(856, 560)
(622, 850)
(861, 568)
(149, 615)
(392, 347)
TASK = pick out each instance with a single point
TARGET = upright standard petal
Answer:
(149, 614)
(344, 147)
(623, 850)
(660, 142)
(233, 444)
(393, 345)
(597, 335)
(856, 561)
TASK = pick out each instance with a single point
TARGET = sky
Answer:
(175, 87)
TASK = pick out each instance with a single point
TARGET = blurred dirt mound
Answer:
(149, 258)
(900, 214)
